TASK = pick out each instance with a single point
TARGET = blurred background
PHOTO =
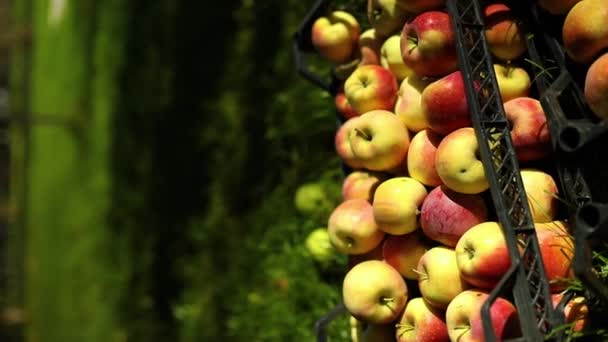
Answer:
(150, 156)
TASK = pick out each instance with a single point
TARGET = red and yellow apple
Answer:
(428, 45)
(371, 87)
(408, 106)
(386, 16)
(421, 157)
(541, 191)
(503, 34)
(439, 277)
(369, 47)
(374, 292)
(361, 184)
(557, 251)
(391, 58)
(421, 322)
(458, 164)
(403, 252)
(575, 310)
(446, 215)
(512, 81)
(596, 87)
(335, 36)
(445, 105)
(352, 229)
(482, 255)
(396, 205)
(529, 130)
(585, 33)
(343, 107)
(343, 146)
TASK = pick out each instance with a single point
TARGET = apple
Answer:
(585, 33)
(371, 87)
(343, 145)
(421, 322)
(596, 87)
(576, 311)
(369, 47)
(439, 279)
(428, 45)
(379, 141)
(557, 251)
(464, 321)
(386, 16)
(419, 6)
(446, 215)
(421, 157)
(312, 198)
(482, 255)
(362, 184)
(344, 108)
(445, 105)
(396, 203)
(541, 191)
(503, 33)
(408, 106)
(512, 81)
(403, 252)
(391, 58)
(319, 245)
(352, 229)
(335, 36)
(374, 292)
(557, 7)
(458, 164)
(529, 131)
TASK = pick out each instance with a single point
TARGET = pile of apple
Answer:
(415, 210)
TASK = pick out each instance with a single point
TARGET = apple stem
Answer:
(422, 275)
(387, 300)
(363, 134)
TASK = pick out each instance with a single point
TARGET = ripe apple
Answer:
(529, 131)
(319, 246)
(343, 107)
(408, 106)
(379, 141)
(386, 16)
(503, 34)
(512, 81)
(596, 87)
(391, 58)
(428, 45)
(421, 322)
(419, 6)
(585, 33)
(421, 157)
(371, 87)
(541, 191)
(312, 198)
(374, 292)
(576, 311)
(464, 321)
(352, 229)
(403, 252)
(482, 255)
(335, 36)
(369, 47)
(362, 184)
(445, 105)
(343, 145)
(557, 7)
(557, 251)
(458, 164)
(439, 279)
(396, 203)
(446, 215)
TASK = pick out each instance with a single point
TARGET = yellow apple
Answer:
(396, 205)
(335, 36)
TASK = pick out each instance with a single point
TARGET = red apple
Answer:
(421, 157)
(361, 184)
(446, 215)
(371, 87)
(482, 255)
(403, 252)
(445, 104)
(439, 278)
(596, 87)
(335, 36)
(343, 145)
(576, 311)
(464, 321)
(343, 107)
(503, 34)
(408, 106)
(374, 292)
(421, 322)
(352, 229)
(428, 45)
(512, 81)
(585, 33)
(529, 131)
(541, 191)
(557, 251)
